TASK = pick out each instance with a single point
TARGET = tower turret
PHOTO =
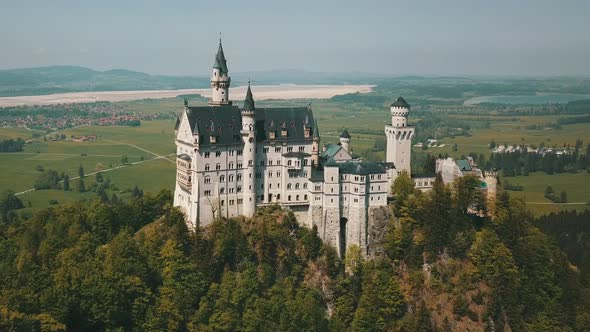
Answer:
(315, 144)
(399, 136)
(249, 137)
(345, 140)
(220, 80)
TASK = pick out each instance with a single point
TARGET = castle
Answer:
(231, 160)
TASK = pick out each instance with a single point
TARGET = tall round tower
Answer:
(220, 80)
(315, 145)
(399, 136)
(249, 136)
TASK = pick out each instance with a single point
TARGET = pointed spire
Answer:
(249, 101)
(220, 61)
(316, 129)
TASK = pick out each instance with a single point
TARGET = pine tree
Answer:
(81, 171)
(81, 188)
(66, 185)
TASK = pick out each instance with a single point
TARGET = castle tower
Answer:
(249, 137)
(315, 145)
(220, 80)
(491, 180)
(399, 136)
(345, 140)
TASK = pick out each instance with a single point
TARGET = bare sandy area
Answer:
(261, 92)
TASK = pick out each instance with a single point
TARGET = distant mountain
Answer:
(57, 79)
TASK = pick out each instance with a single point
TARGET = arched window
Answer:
(270, 174)
(207, 167)
(218, 166)
(289, 198)
(231, 178)
(239, 189)
(231, 165)
(240, 177)
(207, 179)
(305, 197)
(278, 197)
(222, 178)
(221, 190)
(296, 185)
(289, 186)
(305, 185)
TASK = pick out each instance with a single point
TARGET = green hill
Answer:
(58, 79)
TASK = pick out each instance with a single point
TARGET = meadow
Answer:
(364, 115)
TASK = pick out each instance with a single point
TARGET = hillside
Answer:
(134, 266)
(58, 79)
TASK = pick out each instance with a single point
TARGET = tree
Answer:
(99, 177)
(66, 185)
(9, 201)
(402, 188)
(455, 147)
(49, 179)
(80, 187)
(563, 197)
(124, 159)
(81, 171)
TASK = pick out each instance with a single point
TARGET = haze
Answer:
(463, 37)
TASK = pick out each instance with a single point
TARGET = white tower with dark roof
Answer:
(399, 136)
(249, 137)
(220, 80)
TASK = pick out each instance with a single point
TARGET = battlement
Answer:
(491, 174)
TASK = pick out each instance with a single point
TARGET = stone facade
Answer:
(232, 160)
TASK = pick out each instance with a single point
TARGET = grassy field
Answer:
(576, 185)
(364, 123)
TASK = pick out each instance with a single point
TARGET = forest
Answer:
(134, 266)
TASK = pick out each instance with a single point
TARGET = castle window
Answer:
(222, 178)
(289, 186)
(206, 155)
(217, 153)
(270, 186)
(288, 162)
(207, 179)
(231, 190)
(249, 162)
(231, 165)
(297, 186)
(305, 197)
(231, 178)
(207, 193)
(301, 148)
(222, 190)
(289, 198)
(270, 174)
(239, 189)
(270, 162)
(262, 198)
(289, 149)
(240, 152)
(240, 201)
(277, 149)
(305, 173)
(297, 198)
(207, 167)
(305, 185)
(240, 165)
(222, 202)
(265, 149)
(278, 197)
(218, 166)
(304, 162)
(240, 177)
(262, 163)
(231, 152)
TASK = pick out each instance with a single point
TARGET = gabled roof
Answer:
(463, 165)
(400, 102)
(358, 167)
(224, 122)
(220, 62)
(276, 119)
(331, 151)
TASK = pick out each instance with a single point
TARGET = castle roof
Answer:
(400, 102)
(316, 129)
(463, 165)
(225, 122)
(345, 134)
(331, 151)
(220, 62)
(357, 167)
(249, 101)
(278, 119)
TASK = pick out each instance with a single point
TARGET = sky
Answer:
(421, 37)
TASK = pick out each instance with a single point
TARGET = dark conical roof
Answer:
(345, 134)
(316, 129)
(401, 102)
(249, 101)
(220, 62)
